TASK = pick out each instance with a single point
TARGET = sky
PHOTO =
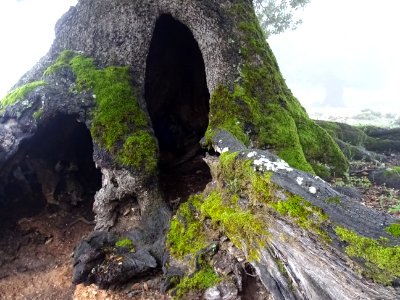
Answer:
(26, 34)
(344, 54)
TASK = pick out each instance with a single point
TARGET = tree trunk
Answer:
(150, 79)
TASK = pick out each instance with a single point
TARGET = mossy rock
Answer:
(389, 177)
(378, 141)
(383, 133)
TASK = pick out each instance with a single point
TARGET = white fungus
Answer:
(312, 189)
(299, 180)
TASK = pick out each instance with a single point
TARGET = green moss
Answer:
(186, 234)
(382, 262)
(18, 94)
(225, 114)
(304, 214)
(393, 229)
(334, 200)
(321, 150)
(119, 124)
(197, 282)
(322, 171)
(63, 61)
(259, 106)
(243, 228)
(125, 243)
(356, 136)
(37, 114)
(393, 171)
(344, 132)
(140, 142)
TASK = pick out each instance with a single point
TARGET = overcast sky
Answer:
(345, 53)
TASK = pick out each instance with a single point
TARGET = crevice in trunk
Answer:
(178, 103)
(53, 170)
(176, 91)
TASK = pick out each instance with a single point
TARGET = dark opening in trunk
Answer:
(53, 169)
(176, 91)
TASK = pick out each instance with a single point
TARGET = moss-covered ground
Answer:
(118, 123)
(260, 107)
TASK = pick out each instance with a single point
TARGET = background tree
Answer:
(276, 16)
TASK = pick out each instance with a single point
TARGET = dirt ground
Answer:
(378, 197)
(36, 253)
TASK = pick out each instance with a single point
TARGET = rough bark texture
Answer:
(250, 107)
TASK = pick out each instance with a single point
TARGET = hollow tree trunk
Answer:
(306, 240)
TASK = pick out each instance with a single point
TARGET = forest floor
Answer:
(35, 253)
(375, 196)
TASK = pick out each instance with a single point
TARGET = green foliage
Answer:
(18, 94)
(393, 171)
(356, 181)
(277, 16)
(119, 124)
(125, 243)
(198, 281)
(393, 229)
(382, 262)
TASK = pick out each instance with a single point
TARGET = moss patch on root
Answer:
(18, 94)
(382, 262)
(119, 124)
(125, 243)
(240, 177)
(240, 206)
(186, 234)
(198, 281)
(304, 214)
(246, 226)
(259, 106)
(393, 229)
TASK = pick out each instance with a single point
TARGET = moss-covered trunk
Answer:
(303, 239)
(260, 110)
